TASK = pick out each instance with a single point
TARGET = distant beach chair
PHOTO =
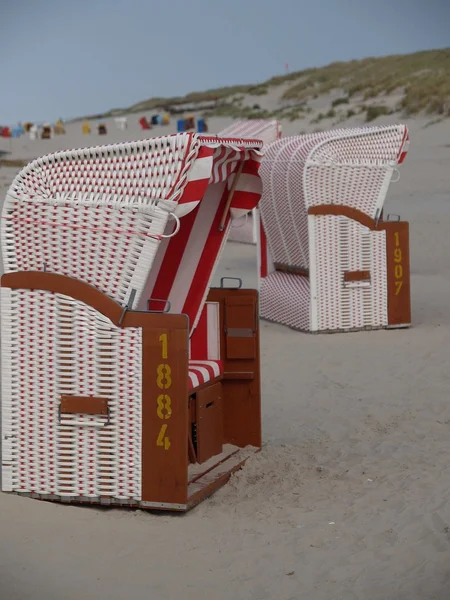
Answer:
(166, 119)
(101, 129)
(46, 131)
(189, 123)
(86, 128)
(127, 379)
(5, 132)
(246, 230)
(58, 128)
(27, 126)
(328, 261)
(33, 132)
(17, 131)
(156, 120)
(202, 125)
(121, 123)
(144, 123)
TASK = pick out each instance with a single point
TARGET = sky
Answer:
(67, 58)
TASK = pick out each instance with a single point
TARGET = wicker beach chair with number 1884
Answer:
(126, 379)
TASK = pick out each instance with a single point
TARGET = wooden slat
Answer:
(87, 405)
(344, 211)
(357, 276)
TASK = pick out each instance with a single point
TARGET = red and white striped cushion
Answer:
(202, 371)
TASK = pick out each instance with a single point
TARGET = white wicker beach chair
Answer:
(245, 230)
(123, 374)
(328, 260)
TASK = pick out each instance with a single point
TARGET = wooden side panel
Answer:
(398, 272)
(209, 422)
(240, 316)
(241, 383)
(165, 417)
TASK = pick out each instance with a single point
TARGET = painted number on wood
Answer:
(164, 401)
(398, 260)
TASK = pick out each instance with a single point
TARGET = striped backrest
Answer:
(266, 130)
(351, 167)
(185, 263)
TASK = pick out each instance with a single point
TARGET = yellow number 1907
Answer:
(398, 269)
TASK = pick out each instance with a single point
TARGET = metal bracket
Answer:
(128, 305)
(240, 332)
(166, 309)
(393, 215)
(238, 279)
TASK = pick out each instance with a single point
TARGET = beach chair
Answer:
(328, 262)
(101, 129)
(17, 131)
(46, 131)
(143, 122)
(121, 123)
(86, 128)
(58, 128)
(126, 379)
(202, 125)
(245, 230)
(33, 132)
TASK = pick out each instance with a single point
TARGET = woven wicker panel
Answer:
(97, 214)
(285, 299)
(56, 346)
(343, 245)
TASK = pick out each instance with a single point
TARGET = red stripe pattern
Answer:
(184, 264)
(203, 371)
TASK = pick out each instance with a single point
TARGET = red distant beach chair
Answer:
(143, 122)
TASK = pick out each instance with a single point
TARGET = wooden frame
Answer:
(168, 482)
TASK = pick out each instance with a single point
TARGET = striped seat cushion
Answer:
(202, 371)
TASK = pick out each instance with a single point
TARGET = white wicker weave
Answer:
(348, 167)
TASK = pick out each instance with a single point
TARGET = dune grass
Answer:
(422, 81)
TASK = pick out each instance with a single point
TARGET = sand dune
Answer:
(349, 499)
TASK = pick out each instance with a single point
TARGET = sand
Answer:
(349, 498)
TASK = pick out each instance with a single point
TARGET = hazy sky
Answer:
(64, 58)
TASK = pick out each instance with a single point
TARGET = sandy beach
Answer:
(349, 498)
